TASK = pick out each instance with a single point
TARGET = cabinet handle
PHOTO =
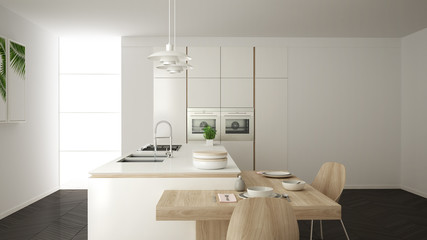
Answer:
(205, 115)
(238, 115)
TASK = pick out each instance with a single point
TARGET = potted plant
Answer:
(209, 134)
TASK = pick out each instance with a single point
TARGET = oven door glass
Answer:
(237, 126)
(197, 125)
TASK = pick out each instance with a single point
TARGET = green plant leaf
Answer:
(209, 132)
(3, 69)
(17, 58)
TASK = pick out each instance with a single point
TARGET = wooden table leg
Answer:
(211, 230)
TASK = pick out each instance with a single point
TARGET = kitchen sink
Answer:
(150, 147)
(148, 159)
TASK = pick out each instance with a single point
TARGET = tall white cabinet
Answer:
(204, 87)
(223, 77)
(237, 76)
(271, 81)
(137, 98)
(237, 90)
(170, 102)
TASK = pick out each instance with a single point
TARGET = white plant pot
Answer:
(209, 142)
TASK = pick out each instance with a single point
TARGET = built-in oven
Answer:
(237, 124)
(199, 118)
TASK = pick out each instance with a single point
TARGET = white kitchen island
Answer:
(122, 196)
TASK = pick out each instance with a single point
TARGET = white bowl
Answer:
(293, 185)
(260, 191)
(210, 164)
(209, 154)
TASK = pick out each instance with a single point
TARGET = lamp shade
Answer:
(158, 56)
(170, 56)
(175, 68)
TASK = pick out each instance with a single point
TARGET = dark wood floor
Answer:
(61, 215)
(368, 214)
(387, 214)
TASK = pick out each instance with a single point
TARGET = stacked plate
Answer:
(277, 174)
(209, 159)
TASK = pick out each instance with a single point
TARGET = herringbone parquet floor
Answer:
(59, 216)
(390, 214)
(387, 214)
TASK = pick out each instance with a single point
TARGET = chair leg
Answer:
(345, 231)
(321, 230)
(311, 232)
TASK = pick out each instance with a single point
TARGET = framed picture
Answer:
(16, 82)
(3, 80)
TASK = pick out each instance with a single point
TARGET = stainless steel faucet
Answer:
(170, 153)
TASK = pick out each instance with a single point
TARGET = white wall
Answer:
(344, 106)
(343, 103)
(414, 112)
(29, 151)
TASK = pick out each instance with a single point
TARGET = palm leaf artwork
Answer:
(17, 59)
(3, 69)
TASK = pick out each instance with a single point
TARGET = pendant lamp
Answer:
(171, 60)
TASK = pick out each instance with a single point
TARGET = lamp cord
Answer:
(174, 23)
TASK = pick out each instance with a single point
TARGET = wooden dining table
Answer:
(212, 217)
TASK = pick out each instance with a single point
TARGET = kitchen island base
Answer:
(125, 208)
(122, 197)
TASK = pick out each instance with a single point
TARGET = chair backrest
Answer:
(263, 218)
(330, 180)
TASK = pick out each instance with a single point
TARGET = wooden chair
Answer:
(330, 180)
(263, 218)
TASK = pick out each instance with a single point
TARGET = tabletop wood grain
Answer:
(203, 204)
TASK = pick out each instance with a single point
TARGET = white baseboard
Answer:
(372, 187)
(27, 203)
(414, 191)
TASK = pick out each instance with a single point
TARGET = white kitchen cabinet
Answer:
(160, 73)
(271, 62)
(237, 62)
(205, 61)
(237, 92)
(169, 105)
(242, 153)
(204, 92)
(204, 79)
(270, 124)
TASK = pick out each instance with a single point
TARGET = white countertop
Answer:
(180, 165)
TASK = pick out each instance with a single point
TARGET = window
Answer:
(90, 106)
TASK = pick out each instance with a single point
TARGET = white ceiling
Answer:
(227, 18)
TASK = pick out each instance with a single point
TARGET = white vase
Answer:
(209, 142)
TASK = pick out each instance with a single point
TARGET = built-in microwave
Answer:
(237, 124)
(199, 118)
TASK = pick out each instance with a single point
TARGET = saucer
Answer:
(245, 195)
(277, 174)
